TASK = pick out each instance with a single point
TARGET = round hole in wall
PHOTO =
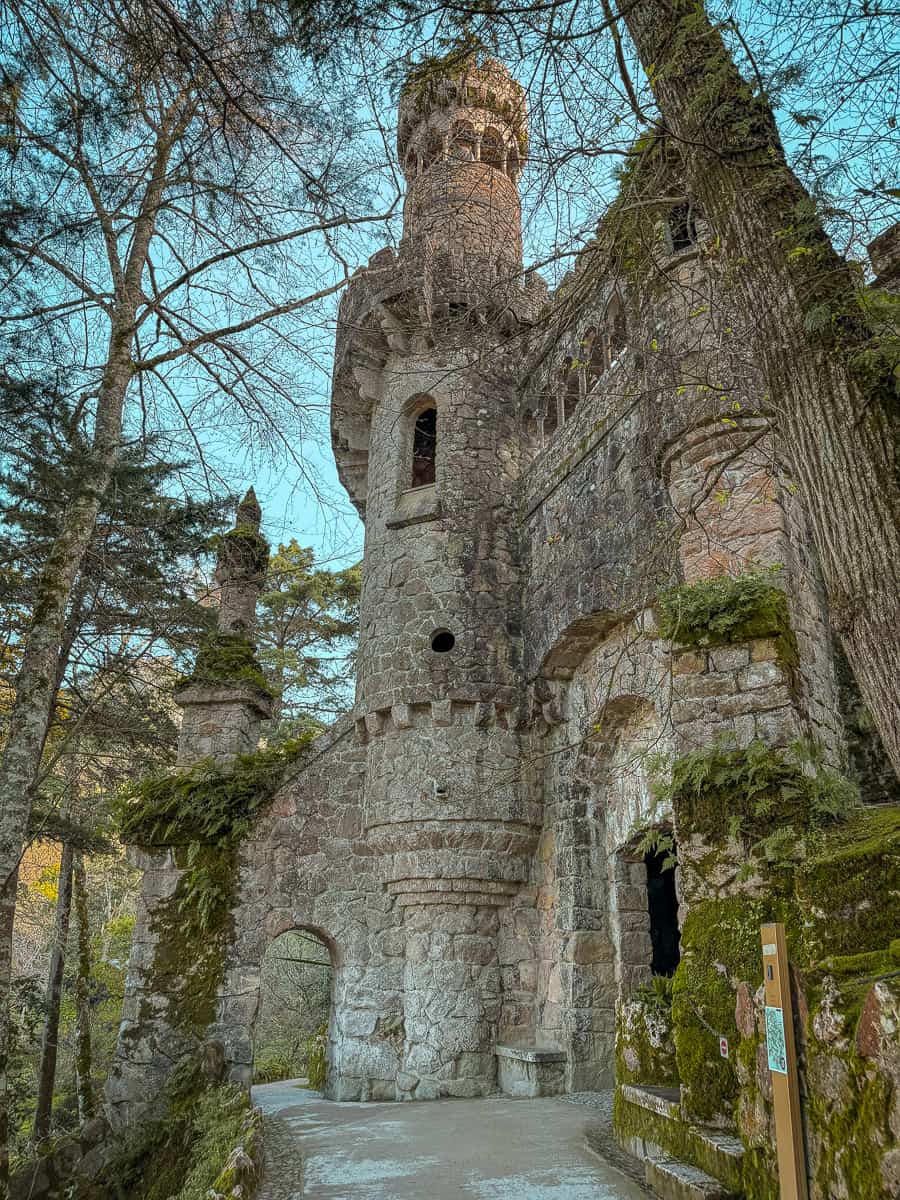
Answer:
(442, 641)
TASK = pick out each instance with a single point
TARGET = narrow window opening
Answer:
(662, 903)
(492, 149)
(424, 448)
(682, 227)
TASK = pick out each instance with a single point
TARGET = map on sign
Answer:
(775, 1045)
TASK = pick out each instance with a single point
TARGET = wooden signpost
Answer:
(782, 1055)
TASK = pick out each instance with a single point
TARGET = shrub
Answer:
(723, 610)
(273, 1068)
(315, 1059)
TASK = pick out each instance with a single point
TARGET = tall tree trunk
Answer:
(50, 1038)
(36, 690)
(833, 399)
(7, 917)
(84, 1087)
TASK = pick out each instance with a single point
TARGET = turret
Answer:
(427, 434)
(225, 698)
(462, 140)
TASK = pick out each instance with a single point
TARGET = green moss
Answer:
(851, 1133)
(720, 947)
(316, 1048)
(202, 813)
(725, 610)
(183, 1155)
(850, 888)
(243, 550)
(869, 964)
(227, 658)
(221, 1121)
(679, 1138)
(645, 1050)
(205, 803)
(769, 798)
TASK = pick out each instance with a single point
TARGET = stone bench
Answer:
(526, 1072)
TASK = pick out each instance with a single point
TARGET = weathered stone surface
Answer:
(468, 842)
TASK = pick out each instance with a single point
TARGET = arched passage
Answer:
(296, 998)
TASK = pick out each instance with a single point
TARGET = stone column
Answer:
(223, 706)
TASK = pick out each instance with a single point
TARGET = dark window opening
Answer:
(492, 150)
(616, 319)
(424, 447)
(442, 641)
(662, 903)
(683, 227)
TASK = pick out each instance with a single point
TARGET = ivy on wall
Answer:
(201, 814)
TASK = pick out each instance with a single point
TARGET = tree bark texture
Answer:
(833, 403)
(84, 1086)
(53, 996)
(7, 917)
(36, 683)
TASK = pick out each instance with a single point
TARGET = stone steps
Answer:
(662, 1140)
(674, 1180)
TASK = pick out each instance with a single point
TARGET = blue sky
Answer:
(839, 125)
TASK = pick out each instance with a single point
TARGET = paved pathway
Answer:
(494, 1149)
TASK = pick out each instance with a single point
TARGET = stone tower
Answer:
(426, 432)
(480, 843)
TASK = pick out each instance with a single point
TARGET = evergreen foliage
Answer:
(308, 618)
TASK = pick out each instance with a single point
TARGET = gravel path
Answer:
(493, 1149)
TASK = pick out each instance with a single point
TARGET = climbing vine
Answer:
(201, 814)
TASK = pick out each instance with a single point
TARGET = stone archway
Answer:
(295, 1010)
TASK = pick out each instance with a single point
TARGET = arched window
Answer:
(492, 149)
(682, 227)
(424, 448)
(462, 144)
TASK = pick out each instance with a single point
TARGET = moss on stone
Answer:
(227, 658)
(207, 802)
(202, 814)
(645, 1051)
(243, 550)
(720, 948)
(677, 1137)
(850, 888)
(850, 1131)
(725, 610)
(184, 1155)
(770, 798)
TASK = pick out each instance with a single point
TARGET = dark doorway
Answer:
(424, 448)
(662, 903)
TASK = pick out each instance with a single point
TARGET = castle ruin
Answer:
(478, 842)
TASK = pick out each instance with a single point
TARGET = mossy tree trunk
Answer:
(832, 393)
(37, 679)
(53, 997)
(84, 1087)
